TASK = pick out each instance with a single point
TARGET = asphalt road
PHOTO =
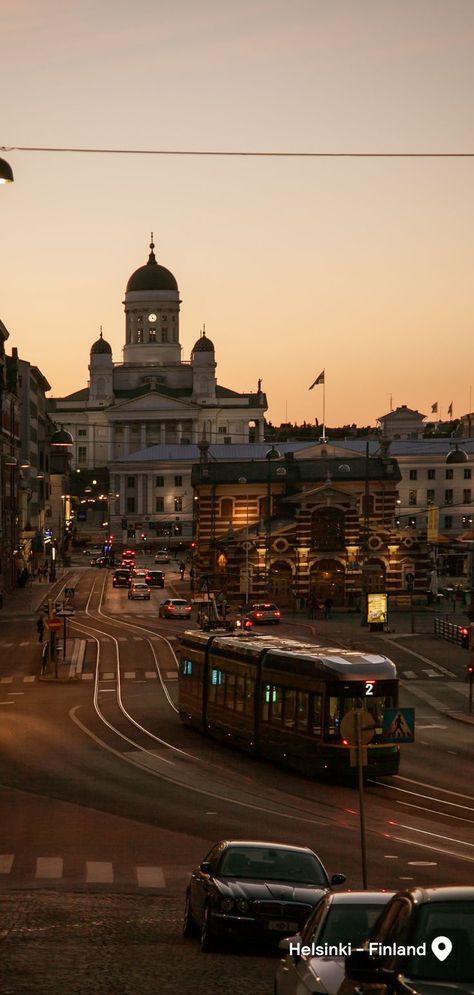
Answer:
(106, 798)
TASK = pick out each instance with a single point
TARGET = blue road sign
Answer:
(399, 725)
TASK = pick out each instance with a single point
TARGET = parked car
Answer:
(253, 888)
(121, 578)
(343, 918)
(175, 608)
(155, 578)
(162, 556)
(93, 552)
(438, 923)
(265, 612)
(100, 561)
(139, 589)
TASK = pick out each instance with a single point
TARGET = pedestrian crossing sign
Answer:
(399, 725)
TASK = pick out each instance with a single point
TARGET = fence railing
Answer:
(452, 632)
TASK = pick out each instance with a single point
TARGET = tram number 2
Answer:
(369, 688)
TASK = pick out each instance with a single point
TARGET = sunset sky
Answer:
(363, 267)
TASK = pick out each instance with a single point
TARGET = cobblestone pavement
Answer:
(57, 944)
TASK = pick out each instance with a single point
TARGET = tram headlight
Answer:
(226, 904)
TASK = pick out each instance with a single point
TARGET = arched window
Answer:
(327, 529)
(227, 509)
(368, 501)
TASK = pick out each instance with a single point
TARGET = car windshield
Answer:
(272, 864)
(436, 920)
(350, 923)
(179, 604)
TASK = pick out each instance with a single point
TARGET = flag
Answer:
(450, 409)
(434, 408)
(319, 379)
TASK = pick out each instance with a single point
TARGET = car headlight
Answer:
(226, 904)
(243, 905)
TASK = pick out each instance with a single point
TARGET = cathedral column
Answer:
(111, 443)
(163, 433)
(126, 440)
(260, 435)
(143, 435)
(179, 431)
(150, 510)
(195, 433)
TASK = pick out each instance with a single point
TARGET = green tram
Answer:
(283, 699)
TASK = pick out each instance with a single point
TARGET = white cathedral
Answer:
(143, 418)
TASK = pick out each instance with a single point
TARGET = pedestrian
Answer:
(182, 568)
(40, 628)
(327, 607)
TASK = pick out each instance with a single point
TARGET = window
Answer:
(186, 668)
(276, 704)
(82, 432)
(466, 523)
(467, 474)
(466, 495)
(411, 498)
(327, 528)
(222, 430)
(130, 505)
(159, 481)
(139, 335)
(230, 691)
(302, 711)
(227, 509)
(164, 335)
(240, 693)
(431, 474)
(82, 454)
(159, 505)
(413, 474)
(130, 481)
(178, 504)
(152, 335)
(289, 712)
(448, 521)
(430, 495)
(316, 714)
(449, 474)
(178, 481)
(448, 496)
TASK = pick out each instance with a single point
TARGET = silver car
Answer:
(342, 919)
(175, 608)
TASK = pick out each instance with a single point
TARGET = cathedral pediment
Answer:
(153, 401)
(324, 494)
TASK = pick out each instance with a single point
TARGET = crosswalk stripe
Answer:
(6, 680)
(6, 862)
(408, 673)
(49, 867)
(28, 680)
(8, 645)
(87, 677)
(107, 677)
(121, 639)
(130, 675)
(171, 675)
(99, 872)
(150, 877)
(432, 673)
(138, 639)
(24, 644)
(150, 674)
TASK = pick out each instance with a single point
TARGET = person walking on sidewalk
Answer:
(40, 628)
(327, 607)
(182, 568)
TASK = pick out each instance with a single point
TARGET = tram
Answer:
(284, 700)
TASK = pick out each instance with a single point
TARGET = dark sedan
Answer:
(121, 578)
(253, 888)
(437, 927)
(155, 578)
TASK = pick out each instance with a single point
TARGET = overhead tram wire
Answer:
(277, 154)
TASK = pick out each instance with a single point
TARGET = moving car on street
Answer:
(175, 608)
(338, 919)
(162, 556)
(155, 578)
(121, 578)
(437, 925)
(265, 612)
(139, 589)
(257, 889)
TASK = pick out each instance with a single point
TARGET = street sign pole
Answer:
(360, 770)
(64, 644)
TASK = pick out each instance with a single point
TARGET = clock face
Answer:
(152, 317)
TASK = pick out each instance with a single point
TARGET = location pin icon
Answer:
(441, 947)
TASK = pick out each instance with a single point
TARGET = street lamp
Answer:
(243, 480)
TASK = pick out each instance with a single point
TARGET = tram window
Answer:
(289, 708)
(317, 712)
(302, 710)
(187, 668)
(276, 704)
(230, 691)
(334, 715)
(249, 696)
(239, 693)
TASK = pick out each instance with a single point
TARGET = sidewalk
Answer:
(27, 601)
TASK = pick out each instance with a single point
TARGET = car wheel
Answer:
(189, 926)
(208, 940)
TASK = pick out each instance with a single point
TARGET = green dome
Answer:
(203, 344)
(101, 346)
(152, 276)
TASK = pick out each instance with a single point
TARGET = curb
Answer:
(461, 717)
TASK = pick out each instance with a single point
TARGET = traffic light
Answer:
(470, 671)
(143, 537)
(464, 633)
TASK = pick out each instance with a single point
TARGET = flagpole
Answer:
(324, 406)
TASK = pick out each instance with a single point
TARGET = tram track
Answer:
(287, 804)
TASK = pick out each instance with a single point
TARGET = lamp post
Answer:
(272, 454)
(243, 480)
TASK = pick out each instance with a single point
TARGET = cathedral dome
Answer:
(203, 344)
(457, 455)
(101, 346)
(152, 276)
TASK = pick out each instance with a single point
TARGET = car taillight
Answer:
(277, 614)
(258, 614)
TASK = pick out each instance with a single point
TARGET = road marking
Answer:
(87, 677)
(151, 675)
(49, 867)
(171, 675)
(433, 725)
(6, 680)
(28, 680)
(24, 644)
(150, 877)
(423, 863)
(107, 677)
(7, 702)
(106, 690)
(15, 694)
(6, 862)
(8, 645)
(408, 673)
(121, 639)
(431, 673)
(137, 639)
(130, 675)
(99, 872)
